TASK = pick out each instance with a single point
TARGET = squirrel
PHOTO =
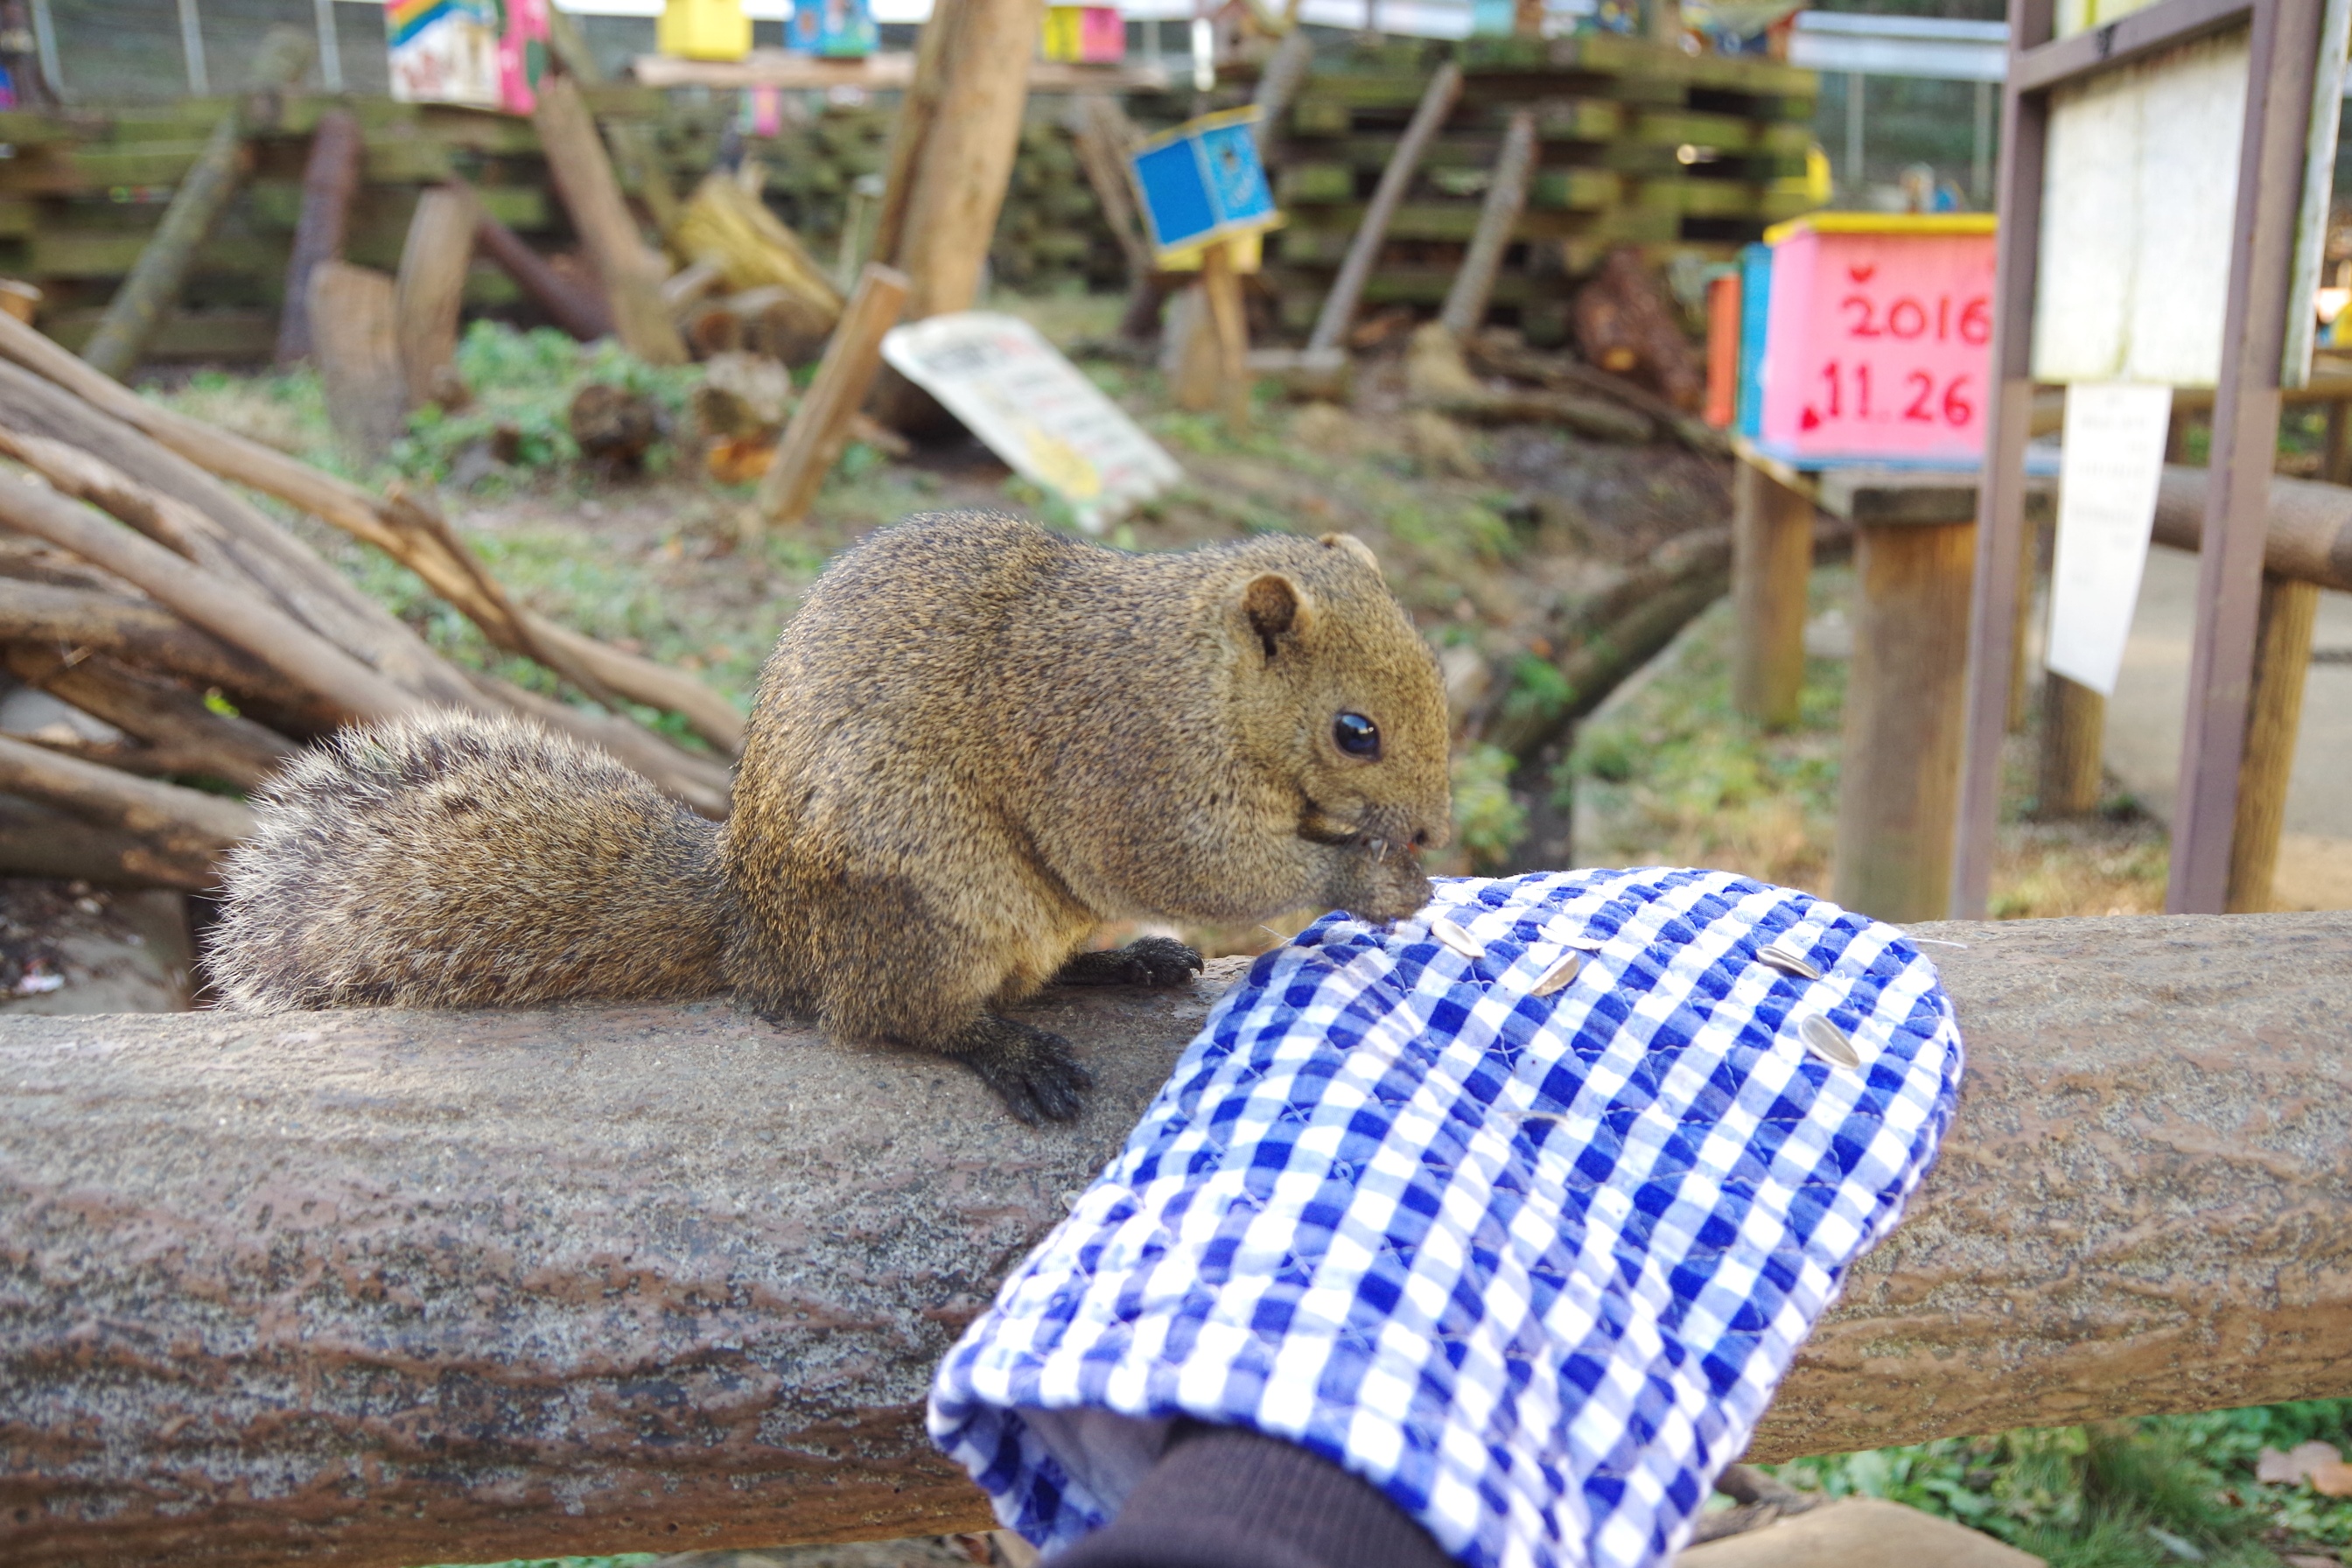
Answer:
(976, 741)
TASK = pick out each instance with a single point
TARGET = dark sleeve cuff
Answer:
(1223, 1497)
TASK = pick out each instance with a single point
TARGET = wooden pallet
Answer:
(1637, 145)
(82, 192)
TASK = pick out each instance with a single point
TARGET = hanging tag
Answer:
(2107, 506)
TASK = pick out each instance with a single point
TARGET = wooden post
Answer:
(582, 174)
(1104, 137)
(1899, 789)
(1506, 197)
(1772, 558)
(139, 305)
(354, 324)
(1222, 286)
(813, 442)
(329, 179)
(2281, 660)
(431, 289)
(959, 178)
(1437, 102)
(2073, 736)
(910, 132)
(2336, 456)
(1192, 359)
(1278, 86)
(584, 315)
(2029, 546)
(632, 147)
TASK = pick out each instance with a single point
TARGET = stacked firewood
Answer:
(179, 631)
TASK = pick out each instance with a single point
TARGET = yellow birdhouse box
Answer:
(704, 30)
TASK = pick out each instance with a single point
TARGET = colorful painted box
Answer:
(1085, 35)
(831, 29)
(1876, 346)
(483, 53)
(703, 30)
(1202, 181)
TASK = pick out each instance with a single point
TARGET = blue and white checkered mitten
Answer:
(1528, 1255)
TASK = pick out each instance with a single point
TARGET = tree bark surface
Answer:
(391, 1288)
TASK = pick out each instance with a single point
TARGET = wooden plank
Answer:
(430, 290)
(885, 72)
(246, 335)
(327, 188)
(147, 293)
(813, 443)
(91, 253)
(1347, 290)
(632, 274)
(1507, 195)
(354, 331)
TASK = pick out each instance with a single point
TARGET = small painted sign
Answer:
(1203, 181)
(1877, 342)
(1035, 409)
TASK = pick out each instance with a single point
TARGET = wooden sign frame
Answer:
(2285, 47)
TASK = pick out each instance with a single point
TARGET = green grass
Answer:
(2152, 1493)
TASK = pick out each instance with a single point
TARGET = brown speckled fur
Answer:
(977, 741)
(456, 860)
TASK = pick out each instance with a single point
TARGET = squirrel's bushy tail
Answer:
(457, 861)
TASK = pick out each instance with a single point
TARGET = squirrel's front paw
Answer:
(1146, 961)
(1031, 1068)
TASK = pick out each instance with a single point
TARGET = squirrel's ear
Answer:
(1353, 546)
(1274, 604)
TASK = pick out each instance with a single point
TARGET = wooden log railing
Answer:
(382, 1288)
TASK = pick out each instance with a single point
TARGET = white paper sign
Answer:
(1035, 409)
(2107, 476)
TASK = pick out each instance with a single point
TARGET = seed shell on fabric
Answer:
(1558, 976)
(1827, 1042)
(1455, 937)
(1787, 961)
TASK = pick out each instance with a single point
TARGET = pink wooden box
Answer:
(1877, 342)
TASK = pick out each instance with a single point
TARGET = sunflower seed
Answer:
(1557, 977)
(1455, 937)
(1827, 1041)
(1789, 961)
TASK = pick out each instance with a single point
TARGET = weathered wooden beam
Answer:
(330, 178)
(153, 286)
(388, 1288)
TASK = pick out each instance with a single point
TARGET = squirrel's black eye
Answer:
(1356, 735)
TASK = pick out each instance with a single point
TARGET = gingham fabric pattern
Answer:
(1532, 1265)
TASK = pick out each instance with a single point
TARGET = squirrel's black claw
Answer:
(1146, 961)
(1031, 1069)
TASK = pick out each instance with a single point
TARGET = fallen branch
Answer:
(37, 841)
(1503, 352)
(229, 609)
(577, 310)
(356, 1286)
(208, 454)
(117, 431)
(1438, 378)
(184, 827)
(181, 735)
(140, 632)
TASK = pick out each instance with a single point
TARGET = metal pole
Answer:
(330, 56)
(2285, 48)
(2000, 493)
(44, 40)
(1853, 80)
(1980, 160)
(191, 46)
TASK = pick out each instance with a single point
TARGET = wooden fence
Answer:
(391, 1288)
(1914, 555)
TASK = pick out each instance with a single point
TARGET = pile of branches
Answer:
(142, 587)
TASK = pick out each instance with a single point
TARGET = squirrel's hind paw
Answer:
(1031, 1069)
(1146, 961)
